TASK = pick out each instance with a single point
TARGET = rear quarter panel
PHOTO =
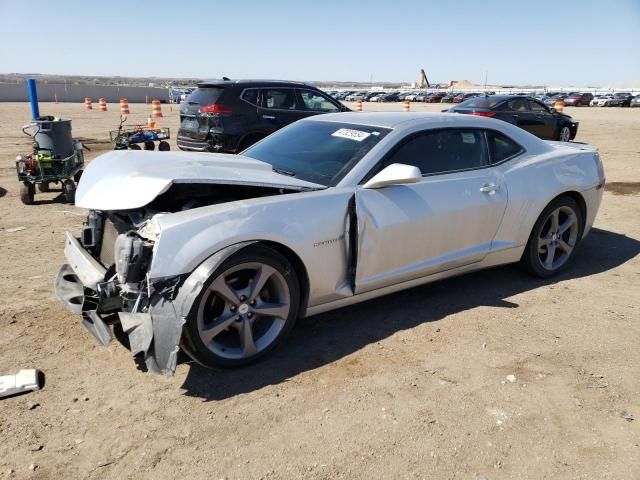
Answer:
(534, 180)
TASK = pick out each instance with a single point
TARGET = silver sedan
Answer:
(220, 254)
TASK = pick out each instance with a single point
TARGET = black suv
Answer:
(231, 115)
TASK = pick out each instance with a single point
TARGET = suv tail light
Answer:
(484, 114)
(214, 108)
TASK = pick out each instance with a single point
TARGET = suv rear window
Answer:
(205, 95)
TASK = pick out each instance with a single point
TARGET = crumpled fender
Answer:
(158, 332)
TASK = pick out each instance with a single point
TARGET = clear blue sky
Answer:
(559, 42)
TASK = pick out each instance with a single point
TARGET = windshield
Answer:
(316, 151)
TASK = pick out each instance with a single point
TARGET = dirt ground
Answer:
(413, 385)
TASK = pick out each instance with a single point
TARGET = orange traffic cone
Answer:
(358, 105)
(124, 106)
(156, 109)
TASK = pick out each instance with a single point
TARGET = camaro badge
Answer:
(328, 242)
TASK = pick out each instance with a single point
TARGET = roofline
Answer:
(219, 81)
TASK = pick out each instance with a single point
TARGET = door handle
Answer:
(269, 117)
(489, 188)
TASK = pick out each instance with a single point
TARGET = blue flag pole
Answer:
(33, 98)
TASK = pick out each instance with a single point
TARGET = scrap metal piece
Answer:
(96, 327)
(23, 381)
(140, 330)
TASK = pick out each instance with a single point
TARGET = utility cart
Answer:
(56, 158)
(131, 138)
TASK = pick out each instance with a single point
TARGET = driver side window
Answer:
(314, 101)
(442, 151)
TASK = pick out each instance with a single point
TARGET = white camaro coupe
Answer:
(219, 254)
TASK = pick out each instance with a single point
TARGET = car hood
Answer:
(124, 180)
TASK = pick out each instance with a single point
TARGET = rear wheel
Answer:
(555, 238)
(134, 146)
(164, 146)
(248, 306)
(69, 190)
(149, 145)
(43, 187)
(27, 192)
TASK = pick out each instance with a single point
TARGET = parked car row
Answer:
(412, 96)
(571, 99)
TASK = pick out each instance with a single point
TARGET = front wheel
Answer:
(564, 135)
(554, 238)
(246, 308)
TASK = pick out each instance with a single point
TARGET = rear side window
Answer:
(250, 95)
(205, 96)
(279, 98)
(442, 151)
(501, 147)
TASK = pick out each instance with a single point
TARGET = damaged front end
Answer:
(106, 281)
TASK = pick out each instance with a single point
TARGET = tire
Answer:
(214, 333)
(149, 145)
(78, 176)
(27, 192)
(164, 146)
(43, 187)
(134, 146)
(564, 133)
(553, 243)
(69, 191)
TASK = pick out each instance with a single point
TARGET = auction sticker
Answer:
(356, 135)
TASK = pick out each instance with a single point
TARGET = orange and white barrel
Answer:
(102, 104)
(124, 106)
(406, 106)
(150, 123)
(559, 105)
(358, 105)
(156, 109)
(88, 104)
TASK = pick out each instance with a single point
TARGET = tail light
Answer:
(484, 114)
(214, 108)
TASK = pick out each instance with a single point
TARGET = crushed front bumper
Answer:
(82, 287)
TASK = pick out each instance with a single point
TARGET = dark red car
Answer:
(578, 100)
(464, 96)
(435, 97)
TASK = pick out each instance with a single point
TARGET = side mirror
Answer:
(395, 174)
(552, 110)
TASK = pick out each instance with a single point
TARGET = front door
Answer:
(544, 121)
(447, 220)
